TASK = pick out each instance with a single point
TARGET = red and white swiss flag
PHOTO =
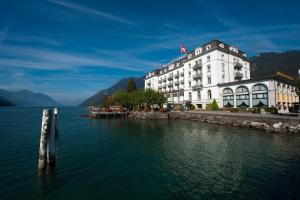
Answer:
(183, 49)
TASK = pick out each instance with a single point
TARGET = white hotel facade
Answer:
(221, 72)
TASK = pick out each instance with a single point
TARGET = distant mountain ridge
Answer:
(122, 84)
(27, 98)
(266, 64)
(262, 65)
(5, 102)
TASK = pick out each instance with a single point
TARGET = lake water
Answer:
(130, 159)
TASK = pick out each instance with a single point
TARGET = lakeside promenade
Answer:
(266, 122)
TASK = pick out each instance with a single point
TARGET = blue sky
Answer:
(72, 49)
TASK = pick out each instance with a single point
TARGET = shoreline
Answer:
(265, 122)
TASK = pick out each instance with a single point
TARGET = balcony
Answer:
(148, 83)
(182, 82)
(176, 82)
(170, 78)
(164, 86)
(164, 80)
(176, 76)
(160, 81)
(182, 74)
(197, 75)
(238, 75)
(170, 85)
(197, 66)
(238, 65)
(197, 86)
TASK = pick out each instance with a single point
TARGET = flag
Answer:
(183, 49)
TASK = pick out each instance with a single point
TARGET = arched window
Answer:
(228, 98)
(242, 97)
(209, 94)
(190, 96)
(260, 95)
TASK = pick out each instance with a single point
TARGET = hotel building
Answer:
(222, 72)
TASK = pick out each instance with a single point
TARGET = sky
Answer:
(72, 49)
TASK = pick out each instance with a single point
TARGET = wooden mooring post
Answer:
(49, 131)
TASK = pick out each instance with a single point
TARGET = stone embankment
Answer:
(266, 122)
(148, 115)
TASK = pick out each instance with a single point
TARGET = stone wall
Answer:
(148, 115)
(267, 122)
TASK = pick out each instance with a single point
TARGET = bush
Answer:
(256, 110)
(213, 106)
(193, 107)
(273, 110)
(234, 110)
(178, 107)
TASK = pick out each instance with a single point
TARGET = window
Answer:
(189, 73)
(190, 84)
(199, 95)
(209, 94)
(260, 95)
(228, 98)
(227, 91)
(208, 58)
(209, 80)
(242, 97)
(190, 65)
(222, 56)
(259, 87)
(223, 79)
(246, 74)
(223, 67)
(208, 69)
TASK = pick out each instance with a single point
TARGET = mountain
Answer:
(266, 64)
(27, 98)
(122, 84)
(5, 102)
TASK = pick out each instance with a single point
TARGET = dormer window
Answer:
(189, 56)
(221, 45)
(208, 47)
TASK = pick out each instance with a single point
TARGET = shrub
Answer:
(273, 110)
(213, 106)
(193, 107)
(256, 110)
(234, 110)
(163, 110)
(178, 107)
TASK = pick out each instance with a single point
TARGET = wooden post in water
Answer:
(51, 143)
(56, 121)
(46, 121)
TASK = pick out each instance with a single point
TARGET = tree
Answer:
(131, 86)
(122, 98)
(213, 106)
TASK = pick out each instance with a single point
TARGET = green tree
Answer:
(131, 86)
(122, 98)
(213, 106)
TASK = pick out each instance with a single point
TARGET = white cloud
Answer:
(75, 6)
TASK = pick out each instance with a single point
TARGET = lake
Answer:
(131, 159)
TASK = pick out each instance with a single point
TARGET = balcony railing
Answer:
(164, 86)
(238, 65)
(176, 76)
(238, 76)
(176, 82)
(170, 78)
(197, 87)
(182, 81)
(182, 74)
(164, 80)
(170, 85)
(148, 83)
(197, 66)
(160, 81)
(197, 75)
